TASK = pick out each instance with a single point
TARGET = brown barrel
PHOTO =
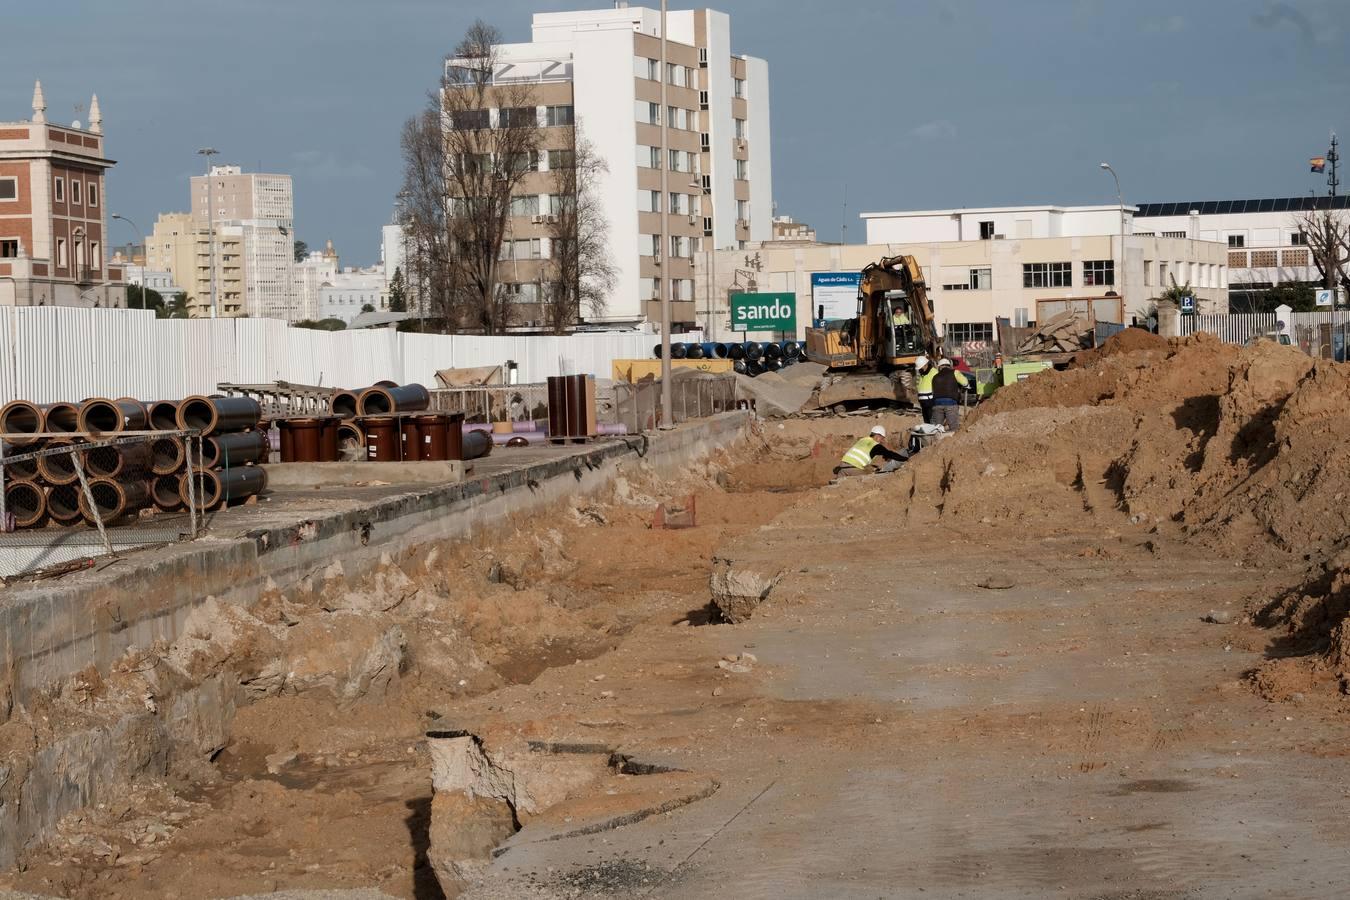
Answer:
(305, 435)
(557, 408)
(328, 439)
(287, 441)
(382, 438)
(410, 439)
(576, 406)
(435, 431)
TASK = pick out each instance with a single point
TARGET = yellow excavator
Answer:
(871, 357)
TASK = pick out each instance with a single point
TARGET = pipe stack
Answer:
(748, 357)
(386, 422)
(234, 444)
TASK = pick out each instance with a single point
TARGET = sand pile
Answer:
(1131, 340)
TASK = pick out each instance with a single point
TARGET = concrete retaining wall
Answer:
(54, 631)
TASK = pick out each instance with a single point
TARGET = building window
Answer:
(645, 68)
(1293, 258)
(1298, 239)
(986, 231)
(742, 170)
(677, 117)
(1175, 234)
(74, 192)
(740, 129)
(470, 119)
(649, 112)
(561, 159)
(525, 206)
(1263, 259)
(965, 332)
(738, 88)
(649, 201)
(677, 75)
(1237, 240)
(93, 193)
(518, 117)
(1042, 275)
(1099, 272)
(95, 256)
(743, 211)
(678, 204)
(650, 245)
(61, 259)
(9, 248)
(649, 157)
(981, 279)
(9, 189)
(60, 192)
(560, 115)
(679, 246)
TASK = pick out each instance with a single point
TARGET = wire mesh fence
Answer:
(493, 403)
(67, 498)
(693, 396)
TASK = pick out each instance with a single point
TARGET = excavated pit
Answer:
(333, 683)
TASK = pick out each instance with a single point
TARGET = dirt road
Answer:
(904, 732)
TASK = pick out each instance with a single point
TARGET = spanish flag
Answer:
(1318, 163)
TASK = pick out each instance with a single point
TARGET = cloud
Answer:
(318, 164)
(940, 130)
(1280, 13)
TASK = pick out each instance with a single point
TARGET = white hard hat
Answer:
(920, 362)
(944, 363)
(878, 431)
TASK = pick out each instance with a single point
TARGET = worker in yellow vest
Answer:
(924, 371)
(867, 453)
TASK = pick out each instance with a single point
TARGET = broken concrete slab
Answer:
(738, 588)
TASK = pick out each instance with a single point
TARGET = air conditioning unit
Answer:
(693, 220)
(538, 220)
(550, 220)
(740, 144)
(656, 260)
(1000, 237)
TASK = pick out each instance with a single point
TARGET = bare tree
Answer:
(492, 141)
(581, 272)
(422, 212)
(1327, 235)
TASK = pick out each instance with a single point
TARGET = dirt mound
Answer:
(1236, 451)
(1131, 340)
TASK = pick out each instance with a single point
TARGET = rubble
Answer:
(738, 589)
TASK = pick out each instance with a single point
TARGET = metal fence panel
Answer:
(1232, 329)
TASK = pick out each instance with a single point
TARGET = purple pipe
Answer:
(532, 437)
(476, 426)
(525, 427)
(613, 430)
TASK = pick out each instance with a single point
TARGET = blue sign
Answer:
(1188, 304)
(837, 293)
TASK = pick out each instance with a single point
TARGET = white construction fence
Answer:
(1316, 333)
(49, 354)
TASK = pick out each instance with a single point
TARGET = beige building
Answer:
(601, 70)
(53, 213)
(180, 246)
(257, 209)
(971, 282)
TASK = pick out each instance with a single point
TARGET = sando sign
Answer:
(764, 312)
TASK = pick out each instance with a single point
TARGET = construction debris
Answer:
(1067, 332)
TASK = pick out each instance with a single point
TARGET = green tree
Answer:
(177, 307)
(366, 307)
(398, 292)
(145, 298)
(322, 324)
(1296, 295)
(301, 251)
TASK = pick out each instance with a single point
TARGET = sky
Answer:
(902, 105)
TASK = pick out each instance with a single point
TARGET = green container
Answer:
(1023, 369)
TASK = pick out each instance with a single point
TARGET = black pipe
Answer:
(477, 444)
(735, 351)
(753, 351)
(214, 415)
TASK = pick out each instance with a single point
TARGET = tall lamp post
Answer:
(209, 152)
(667, 413)
(1120, 200)
(145, 259)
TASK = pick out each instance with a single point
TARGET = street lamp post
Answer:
(667, 413)
(145, 258)
(1120, 200)
(209, 152)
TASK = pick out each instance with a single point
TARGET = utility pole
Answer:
(1333, 157)
(209, 152)
(663, 283)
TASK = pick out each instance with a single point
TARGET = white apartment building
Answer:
(601, 69)
(160, 281)
(350, 291)
(1265, 241)
(309, 277)
(980, 265)
(261, 207)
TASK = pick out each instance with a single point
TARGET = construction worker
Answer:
(924, 371)
(947, 387)
(869, 452)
